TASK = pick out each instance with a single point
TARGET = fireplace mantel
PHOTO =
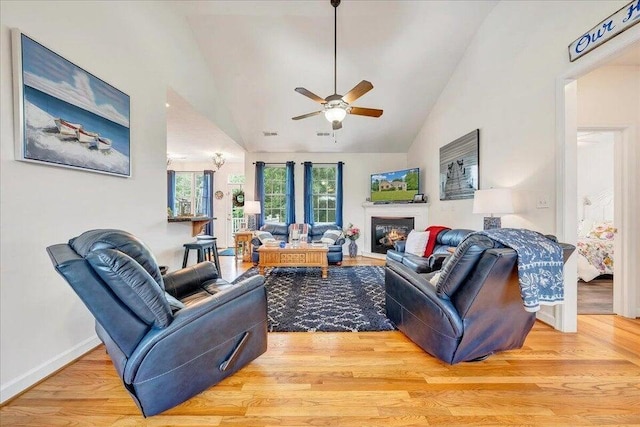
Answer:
(419, 211)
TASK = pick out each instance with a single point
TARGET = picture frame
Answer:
(459, 167)
(65, 116)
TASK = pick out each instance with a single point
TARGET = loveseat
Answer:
(445, 240)
(471, 308)
(170, 337)
(315, 232)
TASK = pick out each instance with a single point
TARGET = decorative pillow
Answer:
(416, 242)
(265, 236)
(584, 227)
(603, 231)
(330, 236)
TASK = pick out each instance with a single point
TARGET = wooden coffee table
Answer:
(302, 255)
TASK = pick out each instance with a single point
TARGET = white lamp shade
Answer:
(335, 114)
(251, 207)
(493, 201)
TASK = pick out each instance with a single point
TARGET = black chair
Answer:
(167, 346)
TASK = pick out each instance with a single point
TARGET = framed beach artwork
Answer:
(66, 116)
(459, 162)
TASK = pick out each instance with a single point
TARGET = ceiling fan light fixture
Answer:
(335, 114)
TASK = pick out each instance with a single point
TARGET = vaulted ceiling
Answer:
(259, 51)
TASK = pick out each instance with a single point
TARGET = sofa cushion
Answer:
(265, 236)
(460, 264)
(330, 236)
(416, 242)
(133, 285)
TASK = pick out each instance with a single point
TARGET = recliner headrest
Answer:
(122, 241)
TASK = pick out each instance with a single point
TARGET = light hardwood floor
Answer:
(374, 379)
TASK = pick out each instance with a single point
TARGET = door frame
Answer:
(564, 317)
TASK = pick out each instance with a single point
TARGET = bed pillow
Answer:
(416, 242)
(265, 236)
(602, 231)
(330, 236)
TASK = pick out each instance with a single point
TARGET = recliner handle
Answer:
(224, 365)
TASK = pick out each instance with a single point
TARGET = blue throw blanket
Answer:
(540, 262)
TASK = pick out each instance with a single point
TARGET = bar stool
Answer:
(203, 247)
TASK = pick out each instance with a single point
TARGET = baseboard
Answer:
(37, 374)
(546, 317)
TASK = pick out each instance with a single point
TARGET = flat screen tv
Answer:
(396, 186)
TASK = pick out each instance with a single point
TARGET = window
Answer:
(189, 192)
(275, 195)
(324, 193)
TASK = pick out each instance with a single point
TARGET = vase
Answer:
(353, 249)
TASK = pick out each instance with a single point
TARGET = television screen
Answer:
(397, 186)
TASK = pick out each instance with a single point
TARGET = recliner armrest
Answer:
(182, 282)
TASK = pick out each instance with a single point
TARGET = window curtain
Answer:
(171, 191)
(308, 192)
(207, 200)
(259, 193)
(290, 212)
(339, 194)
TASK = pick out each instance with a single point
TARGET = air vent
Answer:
(323, 134)
(269, 133)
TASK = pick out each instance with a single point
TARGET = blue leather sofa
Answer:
(169, 337)
(445, 240)
(475, 310)
(281, 232)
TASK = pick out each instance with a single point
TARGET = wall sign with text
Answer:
(615, 24)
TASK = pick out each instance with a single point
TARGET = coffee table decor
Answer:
(350, 300)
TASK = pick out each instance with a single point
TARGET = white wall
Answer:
(140, 48)
(505, 85)
(221, 225)
(358, 169)
(595, 178)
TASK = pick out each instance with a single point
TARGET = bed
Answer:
(595, 249)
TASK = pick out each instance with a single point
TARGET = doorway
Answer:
(596, 226)
(625, 177)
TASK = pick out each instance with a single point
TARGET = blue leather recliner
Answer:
(475, 309)
(281, 232)
(169, 337)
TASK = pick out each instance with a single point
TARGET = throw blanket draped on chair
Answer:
(434, 230)
(540, 265)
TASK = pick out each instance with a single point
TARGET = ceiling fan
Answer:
(336, 107)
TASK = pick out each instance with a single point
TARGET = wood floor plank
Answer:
(590, 378)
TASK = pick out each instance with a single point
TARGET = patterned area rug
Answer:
(350, 300)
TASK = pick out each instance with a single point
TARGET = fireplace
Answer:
(385, 231)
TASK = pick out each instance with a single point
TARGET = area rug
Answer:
(226, 252)
(351, 299)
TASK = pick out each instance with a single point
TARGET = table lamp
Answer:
(493, 201)
(251, 209)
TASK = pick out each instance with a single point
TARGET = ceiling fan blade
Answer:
(304, 116)
(370, 112)
(336, 125)
(310, 94)
(355, 93)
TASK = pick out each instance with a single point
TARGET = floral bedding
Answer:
(595, 257)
